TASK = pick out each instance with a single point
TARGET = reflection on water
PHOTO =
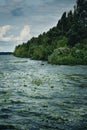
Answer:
(42, 97)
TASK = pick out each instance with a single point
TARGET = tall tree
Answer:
(62, 24)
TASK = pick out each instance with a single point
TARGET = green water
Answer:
(42, 97)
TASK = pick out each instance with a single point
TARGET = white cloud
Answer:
(4, 29)
(23, 36)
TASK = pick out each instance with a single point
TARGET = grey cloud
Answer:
(12, 6)
(17, 12)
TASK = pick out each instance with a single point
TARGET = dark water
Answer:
(42, 97)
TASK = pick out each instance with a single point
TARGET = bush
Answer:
(62, 42)
(67, 56)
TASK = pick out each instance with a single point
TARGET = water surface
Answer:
(42, 97)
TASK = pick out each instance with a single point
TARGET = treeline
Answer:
(66, 43)
(6, 53)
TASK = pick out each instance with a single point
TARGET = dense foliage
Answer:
(66, 43)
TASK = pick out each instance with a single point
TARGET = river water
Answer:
(36, 96)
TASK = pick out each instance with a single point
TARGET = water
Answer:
(42, 97)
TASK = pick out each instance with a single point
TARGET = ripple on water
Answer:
(35, 97)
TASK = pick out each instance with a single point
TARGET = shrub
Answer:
(67, 56)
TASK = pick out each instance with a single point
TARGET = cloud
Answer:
(25, 32)
(23, 36)
(3, 32)
(12, 7)
(17, 12)
(4, 29)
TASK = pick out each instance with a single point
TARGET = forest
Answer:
(65, 43)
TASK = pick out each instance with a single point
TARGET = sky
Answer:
(20, 20)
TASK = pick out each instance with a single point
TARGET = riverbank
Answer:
(63, 56)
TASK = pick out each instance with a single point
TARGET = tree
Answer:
(81, 12)
(62, 24)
